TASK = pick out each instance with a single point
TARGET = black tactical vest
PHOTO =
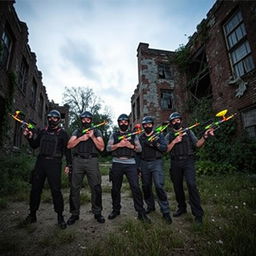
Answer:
(123, 152)
(83, 148)
(184, 148)
(148, 152)
(50, 143)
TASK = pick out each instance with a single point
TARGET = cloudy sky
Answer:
(93, 43)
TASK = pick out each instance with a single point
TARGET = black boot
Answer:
(99, 218)
(179, 212)
(72, 219)
(113, 215)
(31, 218)
(199, 220)
(61, 222)
(149, 210)
(167, 218)
(143, 217)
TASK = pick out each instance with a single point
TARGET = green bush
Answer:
(213, 168)
(228, 150)
(15, 172)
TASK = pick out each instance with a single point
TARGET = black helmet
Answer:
(147, 119)
(86, 114)
(123, 117)
(174, 115)
(54, 113)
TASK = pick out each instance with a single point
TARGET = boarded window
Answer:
(249, 122)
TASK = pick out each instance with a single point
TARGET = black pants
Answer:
(186, 168)
(118, 171)
(50, 169)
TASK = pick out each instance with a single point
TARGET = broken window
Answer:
(199, 83)
(5, 49)
(249, 122)
(166, 99)
(164, 71)
(23, 75)
(238, 45)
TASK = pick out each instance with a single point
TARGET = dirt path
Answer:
(45, 238)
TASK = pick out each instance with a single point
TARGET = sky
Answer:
(93, 43)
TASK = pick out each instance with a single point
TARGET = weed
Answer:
(56, 238)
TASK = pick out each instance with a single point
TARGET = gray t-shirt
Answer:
(123, 161)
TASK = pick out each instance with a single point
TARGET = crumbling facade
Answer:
(21, 86)
(155, 94)
(220, 65)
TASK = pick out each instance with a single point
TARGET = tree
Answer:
(82, 99)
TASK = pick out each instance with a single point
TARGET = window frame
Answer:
(23, 75)
(162, 92)
(243, 63)
(246, 127)
(165, 68)
(6, 50)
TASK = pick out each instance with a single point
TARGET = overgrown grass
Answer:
(229, 202)
(57, 238)
(135, 238)
(104, 167)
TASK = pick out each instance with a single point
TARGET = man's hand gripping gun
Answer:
(94, 127)
(160, 129)
(18, 115)
(137, 131)
(216, 125)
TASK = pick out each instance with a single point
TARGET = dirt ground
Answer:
(39, 238)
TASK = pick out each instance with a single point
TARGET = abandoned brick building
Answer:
(21, 86)
(220, 65)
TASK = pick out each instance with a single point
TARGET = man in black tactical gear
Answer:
(123, 152)
(52, 143)
(182, 156)
(151, 165)
(86, 147)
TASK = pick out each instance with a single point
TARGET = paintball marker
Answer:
(216, 125)
(157, 132)
(94, 127)
(18, 115)
(138, 130)
(184, 131)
